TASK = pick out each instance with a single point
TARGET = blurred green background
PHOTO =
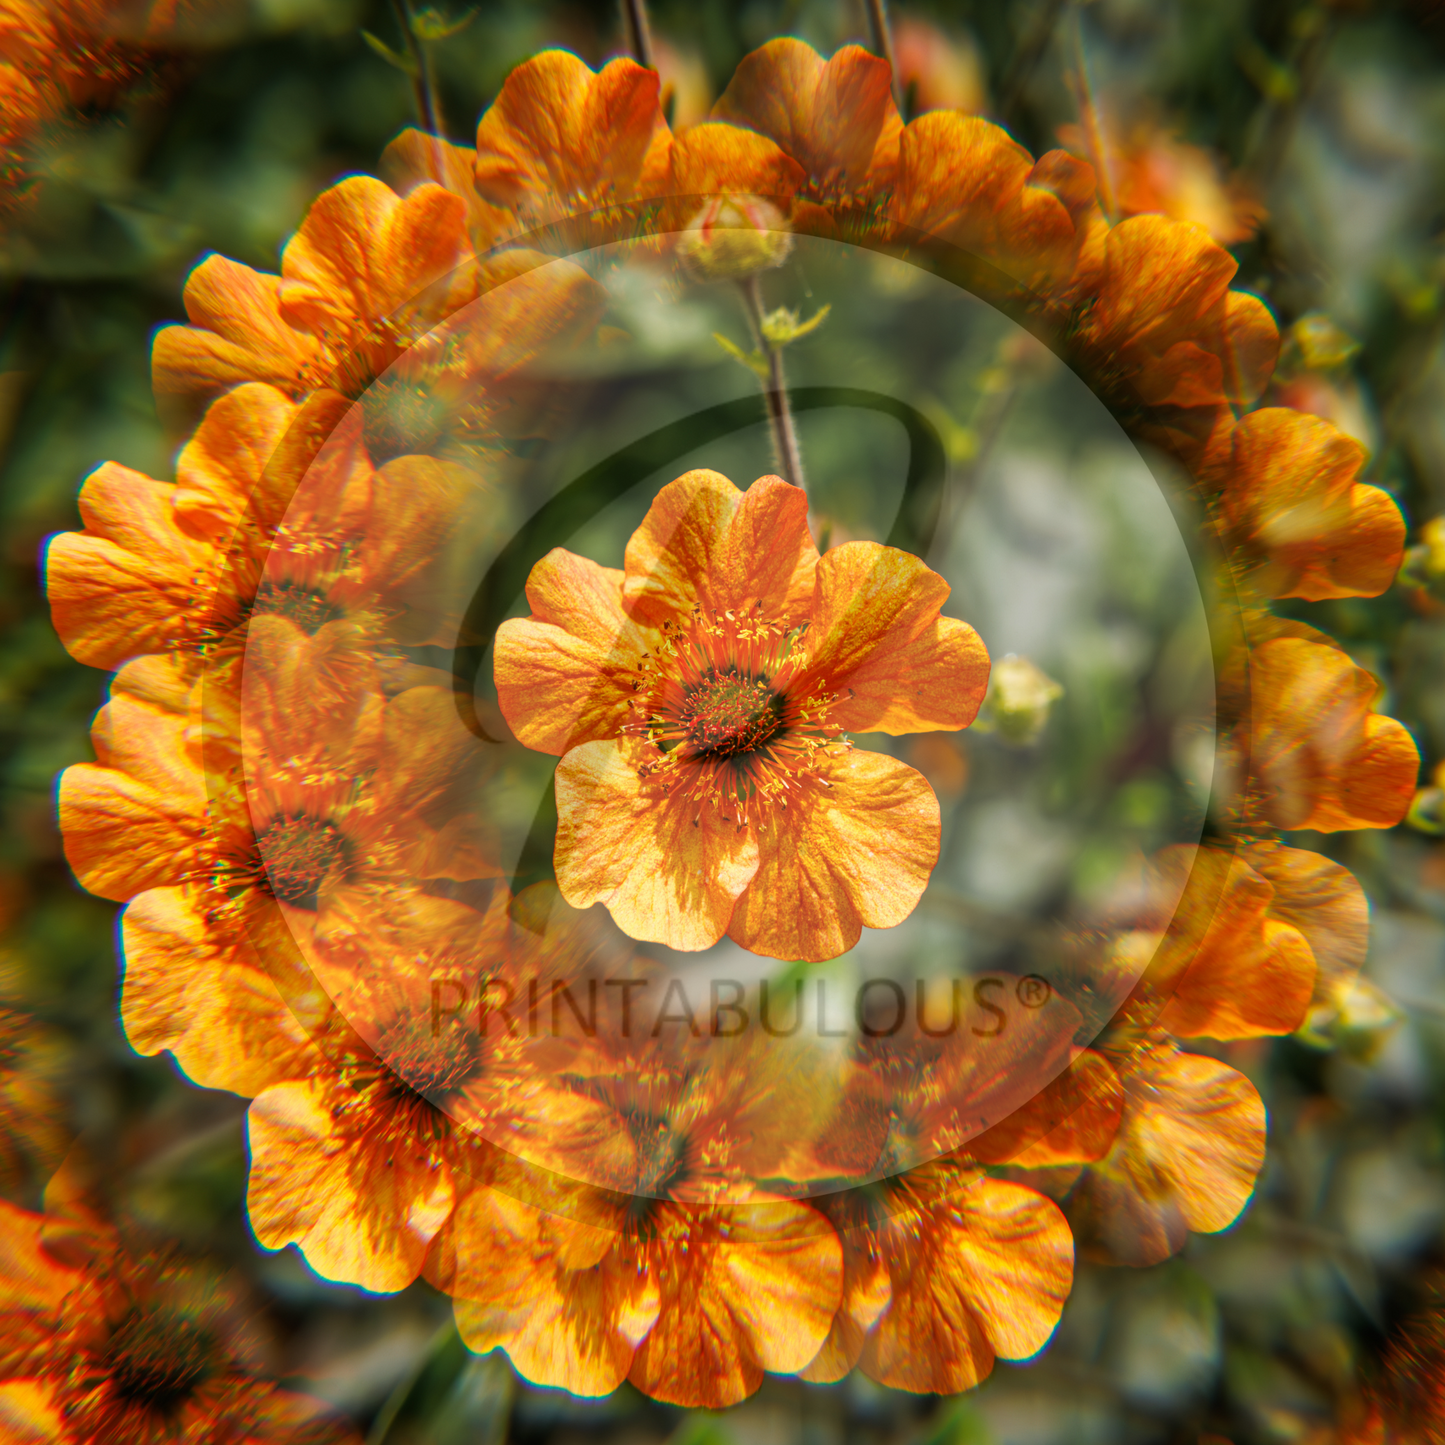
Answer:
(1333, 116)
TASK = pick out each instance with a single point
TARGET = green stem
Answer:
(423, 79)
(639, 32)
(775, 389)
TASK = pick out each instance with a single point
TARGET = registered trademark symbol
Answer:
(1033, 991)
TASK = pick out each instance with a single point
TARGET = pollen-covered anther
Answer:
(736, 721)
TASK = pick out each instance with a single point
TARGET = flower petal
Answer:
(362, 1208)
(992, 1268)
(856, 852)
(550, 1291)
(1228, 967)
(877, 640)
(1189, 1149)
(560, 140)
(836, 119)
(754, 1289)
(197, 989)
(132, 820)
(565, 675)
(237, 333)
(134, 581)
(667, 871)
(362, 253)
(704, 543)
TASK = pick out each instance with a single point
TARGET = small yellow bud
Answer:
(735, 236)
(1020, 695)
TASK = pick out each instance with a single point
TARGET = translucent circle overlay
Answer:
(550, 412)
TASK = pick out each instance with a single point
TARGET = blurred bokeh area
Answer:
(1308, 136)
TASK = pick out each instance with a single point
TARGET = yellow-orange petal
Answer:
(1161, 277)
(362, 253)
(857, 852)
(1325, 902)
(668, 870)
(963, 180)
(228, 457)
(363, 1206)
(1188, 1151)
(195, 987)
(755, 1289)
(133, 581)
(1291, 502)
(1249, 347)
(1228, 967)
(704, 543)
(30, 1414)
(416, 157)
(836, 119)
(561, 139)
(876, 638)
(565, 675)
(237, 333)
(132, 820)
(1072, 1120)
(867, 1289)
(1323, 759)
(988, 1276)
(551, 1291)
(715, 159)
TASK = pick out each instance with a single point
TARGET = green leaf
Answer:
(755, 361)
(430, 23)
(392, 57)
(783, 326)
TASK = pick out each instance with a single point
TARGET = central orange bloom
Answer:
(699, 700)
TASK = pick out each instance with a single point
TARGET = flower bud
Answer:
(1020, 695)
(735, 236)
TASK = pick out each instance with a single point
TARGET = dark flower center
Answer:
(433, 1064)
(308, 609)
(729, 712)
(158, 1358)
(401, 419)
(297, 854)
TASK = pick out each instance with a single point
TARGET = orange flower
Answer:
(327, 838)
(366, 275)
(963, 181)
(130, 1347)
(1162, 337)
(685, 1276)
(836, 119)
(1318, 756)
(931, 1087)
(691, 1303)
(1072, 1120)
(945, 1270)
(1188, 1149)
(1304, 526)
(705, 787)
(33, 1132)
(562, 141)
(1225, 964)
(361, 1157)
(1154, 171)
(280, 533)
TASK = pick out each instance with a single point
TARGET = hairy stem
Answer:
(775, 388)
(423, 80)
(639, 32)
